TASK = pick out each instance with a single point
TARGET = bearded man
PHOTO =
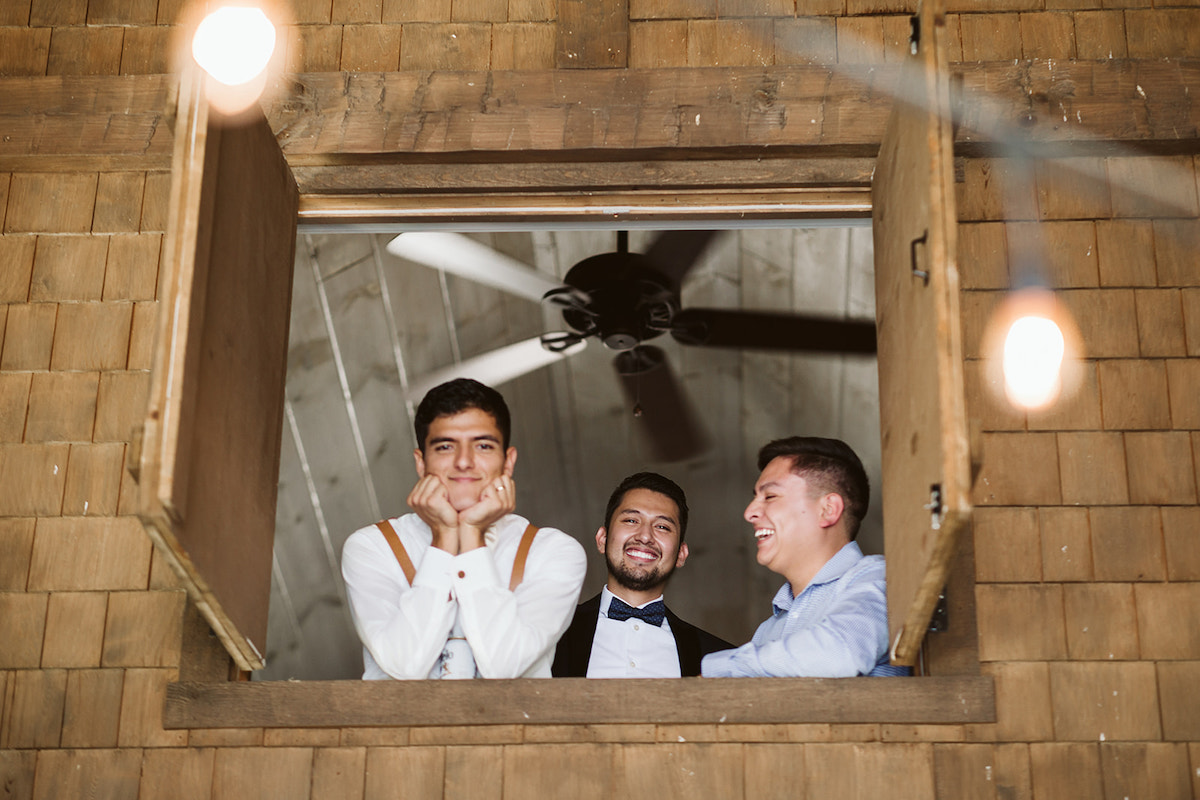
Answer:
(627, 631)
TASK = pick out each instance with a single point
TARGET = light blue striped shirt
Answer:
(836, 628)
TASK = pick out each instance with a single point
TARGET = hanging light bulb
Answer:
(1033, 348)
(1032, 361)
(234, 44)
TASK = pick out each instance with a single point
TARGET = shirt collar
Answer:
(834, 568)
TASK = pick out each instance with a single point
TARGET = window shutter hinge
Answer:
(934, 507)
(940, 621)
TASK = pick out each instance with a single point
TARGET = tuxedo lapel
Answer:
(687, 645)
(575, 647)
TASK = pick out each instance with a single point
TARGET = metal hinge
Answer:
(940, 620)
(934, 507)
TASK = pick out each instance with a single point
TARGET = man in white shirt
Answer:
(463, 587)
(627, 631)
(830, 617)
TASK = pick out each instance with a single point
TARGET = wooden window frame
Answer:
(945, 699)
(951, 690)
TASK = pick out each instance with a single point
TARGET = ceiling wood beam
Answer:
(567, 128)
(735, 112)
(348, 175)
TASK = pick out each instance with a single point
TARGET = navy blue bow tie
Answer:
(653, 614)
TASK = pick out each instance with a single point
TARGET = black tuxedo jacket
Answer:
(575, 647)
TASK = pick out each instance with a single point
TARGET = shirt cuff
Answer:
(434, 572)
(474, 569)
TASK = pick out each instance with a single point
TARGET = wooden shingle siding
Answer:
(92, 710)
(74, 629)
(1086, 548)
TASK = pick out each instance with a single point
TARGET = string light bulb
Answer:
(234, 44)
(1033, 350)
(1032, 361)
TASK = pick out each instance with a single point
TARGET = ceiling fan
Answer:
(626, 299)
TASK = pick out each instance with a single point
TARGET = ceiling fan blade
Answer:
(675, 252)
(495, 367)
(767, 330)
(463, 256)
(660, 406)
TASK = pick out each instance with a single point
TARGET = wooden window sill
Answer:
(568, 701)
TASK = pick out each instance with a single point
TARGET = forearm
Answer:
(812, 653)
(511, 631)
(404, 628)
(847, 640)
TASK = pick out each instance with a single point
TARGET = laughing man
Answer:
(830, 617)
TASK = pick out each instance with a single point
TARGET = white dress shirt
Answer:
(405, 629)
(631, 648)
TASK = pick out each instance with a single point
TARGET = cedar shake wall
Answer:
(1087, 536)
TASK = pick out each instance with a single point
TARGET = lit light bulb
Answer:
(234, 44)
(1032, 361)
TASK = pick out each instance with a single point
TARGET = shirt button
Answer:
(632, 663)
(462, 574)
(637, 627)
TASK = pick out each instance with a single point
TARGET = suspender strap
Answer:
(518, 570)
(397, 546)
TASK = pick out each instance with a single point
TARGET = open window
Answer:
(372, 329)
(211, 444)
(926, 455)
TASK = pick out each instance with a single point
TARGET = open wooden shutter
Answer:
(210, 449)
(926, 458)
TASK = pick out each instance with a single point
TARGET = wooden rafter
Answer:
(569, 127)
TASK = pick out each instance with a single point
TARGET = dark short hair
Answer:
(655, 483)
(829, 465)
(456, 396)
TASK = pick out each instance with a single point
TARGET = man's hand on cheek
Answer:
(496, 500)
(430, 499)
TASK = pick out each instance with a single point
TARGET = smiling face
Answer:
(795, 526)
(466, 451)
(641, 545)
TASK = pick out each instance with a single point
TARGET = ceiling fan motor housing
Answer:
(629, 300)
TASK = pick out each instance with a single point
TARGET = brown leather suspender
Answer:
(518, 570)
(397, 546)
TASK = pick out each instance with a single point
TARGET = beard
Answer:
(638, 578)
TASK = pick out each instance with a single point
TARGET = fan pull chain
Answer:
(637, 395)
